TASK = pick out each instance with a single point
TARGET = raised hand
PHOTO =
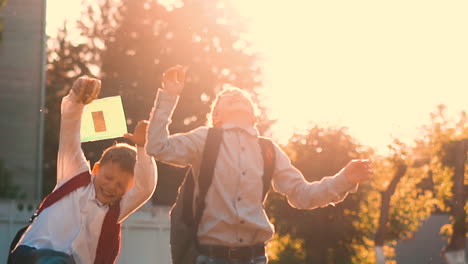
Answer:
(86, 89)
(139, 135)
(358, 170)
(173, 79)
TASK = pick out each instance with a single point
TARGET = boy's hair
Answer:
(229, 91)
(122, 154)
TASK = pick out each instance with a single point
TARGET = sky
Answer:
(377, 67)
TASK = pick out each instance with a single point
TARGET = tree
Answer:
(327, 233)
(389, 208)
(393, 206)
(385, 209)
(140, 39)
(2, 4)
(444, 141)
(284, 249)
(455, 250)
(426, 187)
(399, 220)
(129, 44)
(66, 61)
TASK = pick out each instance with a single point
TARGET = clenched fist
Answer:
(173, 79)
(358, 170)
(139, 135)
(86, 89)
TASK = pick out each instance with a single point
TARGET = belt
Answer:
(233, 253)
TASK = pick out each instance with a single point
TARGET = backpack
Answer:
(184, 222)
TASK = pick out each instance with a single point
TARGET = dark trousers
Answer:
(213, 260)
(30, 255)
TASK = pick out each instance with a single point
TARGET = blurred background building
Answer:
(22, 82)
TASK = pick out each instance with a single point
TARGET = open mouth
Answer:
(106, 194)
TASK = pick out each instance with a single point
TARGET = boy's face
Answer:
(236, 110)
(111, 182)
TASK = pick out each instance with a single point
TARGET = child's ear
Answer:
(95, 168)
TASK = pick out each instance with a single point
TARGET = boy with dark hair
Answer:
(79, 222)
(233, 226)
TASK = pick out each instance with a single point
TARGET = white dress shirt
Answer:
(234, 213)
(73, 224)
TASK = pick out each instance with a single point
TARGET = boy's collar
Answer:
(249, 129)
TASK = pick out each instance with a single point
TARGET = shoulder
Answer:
(199, 132)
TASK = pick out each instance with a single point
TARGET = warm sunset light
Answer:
(234, 131)
(377, 68)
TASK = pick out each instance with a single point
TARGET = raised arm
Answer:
(145, 180)
(302, 194)
(179, 149)
(71, 160)
(145, 174)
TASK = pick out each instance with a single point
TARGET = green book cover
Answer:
(103, 119)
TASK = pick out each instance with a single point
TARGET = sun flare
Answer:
(377, 68)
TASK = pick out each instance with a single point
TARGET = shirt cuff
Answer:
(343, 185)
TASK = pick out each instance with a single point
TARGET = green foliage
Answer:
(129, 44)
(409, 204)
(285, 250)
(2, 4)
(409, 207)
(438, 144)
(427, 184)
(65, 62)
(8, 189)
(328, 232)
(141, 39)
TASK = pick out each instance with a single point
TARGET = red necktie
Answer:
(109, 240)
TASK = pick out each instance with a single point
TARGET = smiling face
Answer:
(114, 172)
(111, 182)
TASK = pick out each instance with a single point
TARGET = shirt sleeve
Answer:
(302, 194)
(71, 160)
(180, 149)
(145, 180)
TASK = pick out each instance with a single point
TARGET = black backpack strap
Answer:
(205, 177)
(65, 189)
(187, 198)
(268, 153)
